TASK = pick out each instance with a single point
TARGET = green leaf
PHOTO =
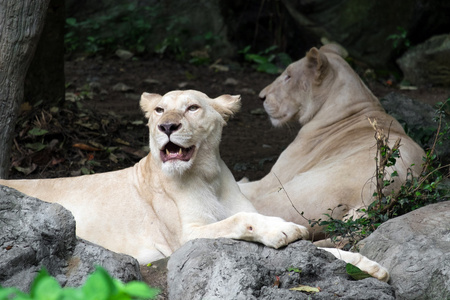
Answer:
(35, 146)
(99, 285)
(140, 290)
(40, 276)
(47, 288)
(71, 21)
(37, 131)
(6, 293)
(296, 270)
(356, 272)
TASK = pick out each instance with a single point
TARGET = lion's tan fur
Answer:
(331, 163)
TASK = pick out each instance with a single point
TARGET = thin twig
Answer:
(282, 187)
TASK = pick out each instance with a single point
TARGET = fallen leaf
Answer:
(306, 289)
(96, 145)
(26, 171)
(85, 147)
(137, 152)
(120, 141)
(113, 158)
(26, 106)
(56, 161)
(92, 126)
(37, 131)
(35, 146)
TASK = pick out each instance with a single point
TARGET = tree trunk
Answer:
(45, 77)
(21, 23)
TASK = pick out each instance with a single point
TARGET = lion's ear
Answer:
(227, 105)
(335, 48)
(148, 103)
(318, 63)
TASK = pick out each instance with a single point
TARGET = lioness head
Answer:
(295, 95)
(182, 123)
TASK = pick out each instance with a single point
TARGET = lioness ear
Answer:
(227, 105)
(148, 103)
(334, 48)
(318, 62)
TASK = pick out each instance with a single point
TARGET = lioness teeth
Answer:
(180, 151)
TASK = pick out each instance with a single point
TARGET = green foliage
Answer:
(99, 285)
(400, 39)
(266, 61)
(356, 272)
(295, 270)
(108, 32)
(416, 191)
(138, 29)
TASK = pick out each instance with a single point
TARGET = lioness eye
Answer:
(287, 77)
(193, 107)
(159, 110)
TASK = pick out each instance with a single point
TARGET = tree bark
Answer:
(21, 23)
(45, 77)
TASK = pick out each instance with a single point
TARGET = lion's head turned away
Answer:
(304, 88)
(185, 127)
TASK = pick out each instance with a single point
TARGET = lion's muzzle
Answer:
(173, 151)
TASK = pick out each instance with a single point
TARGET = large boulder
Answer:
(415, 248)
(362, 27)
(35, 234)
(230, 269)
(428, 63)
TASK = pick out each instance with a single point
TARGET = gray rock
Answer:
(418, 120)
(36, 234)
(377, 20)
(230, 269)
(415, 248)
(124, 54)
(428, 63)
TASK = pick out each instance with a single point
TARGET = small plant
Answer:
(265, 61)
(400, 39)
(415, 192)
(99, 285)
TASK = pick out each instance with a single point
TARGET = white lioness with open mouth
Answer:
(331, 163)
(181, 191)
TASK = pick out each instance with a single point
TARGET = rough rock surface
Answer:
(415, 248)
(36, 234)
(428, 63)
(418, 119)
(230, 269)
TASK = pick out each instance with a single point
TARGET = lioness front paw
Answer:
(374, 269)
(283, 233)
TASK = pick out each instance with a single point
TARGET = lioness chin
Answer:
(181, 190)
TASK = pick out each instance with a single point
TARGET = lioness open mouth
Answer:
(173, 151)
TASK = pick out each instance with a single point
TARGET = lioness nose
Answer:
(262, 95)
(169, 128)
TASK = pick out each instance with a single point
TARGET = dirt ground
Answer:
(100, 126)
